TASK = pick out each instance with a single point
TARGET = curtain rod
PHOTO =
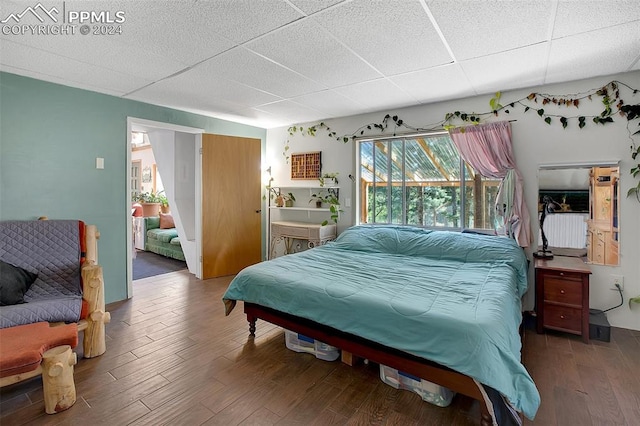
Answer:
(409, 135)
(403, 135)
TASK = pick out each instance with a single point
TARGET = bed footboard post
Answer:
(252, 325)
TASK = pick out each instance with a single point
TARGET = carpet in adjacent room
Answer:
(148, 264)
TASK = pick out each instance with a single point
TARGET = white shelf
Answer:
(306, 209)
(305, 187)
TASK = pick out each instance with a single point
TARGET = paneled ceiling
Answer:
(272, 63)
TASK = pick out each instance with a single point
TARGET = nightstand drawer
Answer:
(561, 290)
(563, 318)
(562, 275)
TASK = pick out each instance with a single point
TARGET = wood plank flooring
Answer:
(173, 358)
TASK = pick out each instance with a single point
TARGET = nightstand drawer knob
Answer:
(561, 316)
(561, 291)
(562, 274)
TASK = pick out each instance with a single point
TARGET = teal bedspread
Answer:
(448, 297)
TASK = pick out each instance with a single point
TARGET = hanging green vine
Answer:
(609, 95)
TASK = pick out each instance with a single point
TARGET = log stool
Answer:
(32, 349)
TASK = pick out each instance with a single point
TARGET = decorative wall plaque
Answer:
(306, 165)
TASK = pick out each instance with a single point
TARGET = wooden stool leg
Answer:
(57, 379)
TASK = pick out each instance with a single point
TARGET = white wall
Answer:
(147, 160)
(175, 156)
(535, 143)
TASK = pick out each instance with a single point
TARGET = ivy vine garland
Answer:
(609, 96)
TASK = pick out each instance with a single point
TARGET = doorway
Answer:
(233, 187)
(164, 138)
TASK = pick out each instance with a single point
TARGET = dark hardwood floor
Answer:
(174, 358)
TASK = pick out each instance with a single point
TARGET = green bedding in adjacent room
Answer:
(449, 297)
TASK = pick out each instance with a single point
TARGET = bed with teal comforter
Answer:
(448, 297)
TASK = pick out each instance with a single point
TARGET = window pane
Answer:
(480, 200)
(366, 182)
(397, 181)
(417, 181)
(380, 183)
(432, 170)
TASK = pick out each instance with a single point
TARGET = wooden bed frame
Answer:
(375, 352)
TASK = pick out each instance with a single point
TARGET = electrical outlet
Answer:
(617, 279)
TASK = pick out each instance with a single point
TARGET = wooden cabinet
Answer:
(562, 295)
(602, 226)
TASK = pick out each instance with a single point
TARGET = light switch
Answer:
(347, 202)
(99, 163)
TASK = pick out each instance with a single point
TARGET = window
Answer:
(417, 181)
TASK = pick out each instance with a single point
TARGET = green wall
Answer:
(50, 136)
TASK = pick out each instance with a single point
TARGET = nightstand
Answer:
(562, 295)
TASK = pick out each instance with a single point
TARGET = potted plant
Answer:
(150, 202)
(280, 199)
(164, 202)
(328, 197)
(328, 178)
(289, 198)
(318, 199)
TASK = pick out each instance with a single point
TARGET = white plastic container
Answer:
(301, 343)
(429, 392)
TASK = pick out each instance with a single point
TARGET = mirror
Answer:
(581, 211)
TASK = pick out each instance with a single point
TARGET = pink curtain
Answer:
(487, 148)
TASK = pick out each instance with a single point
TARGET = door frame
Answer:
(141, 124)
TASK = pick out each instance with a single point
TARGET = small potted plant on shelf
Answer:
(328, 196)
(318, 199)
(280, 199)
(328, 179)
(289, 198)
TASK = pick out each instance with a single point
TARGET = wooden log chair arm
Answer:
(94, 343)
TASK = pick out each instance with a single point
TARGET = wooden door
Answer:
(231, 203)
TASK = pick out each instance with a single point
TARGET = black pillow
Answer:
(14, 283)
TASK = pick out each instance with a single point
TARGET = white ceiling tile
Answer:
(179, 30)
(508, 70)
(199, 83)
(243, 20)
(476, 28)
(593, 54)
(435, 84)
(289, 109)
(574, 17)
(394, 36)
(377, 94)
(246, 67)
(63, 81)
(320, 58)
(312, 6)
(59, 68)
(103, 52)
(330, 103)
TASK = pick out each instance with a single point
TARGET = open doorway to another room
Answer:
(156, 244)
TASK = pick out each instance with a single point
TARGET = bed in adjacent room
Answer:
(442, 304)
